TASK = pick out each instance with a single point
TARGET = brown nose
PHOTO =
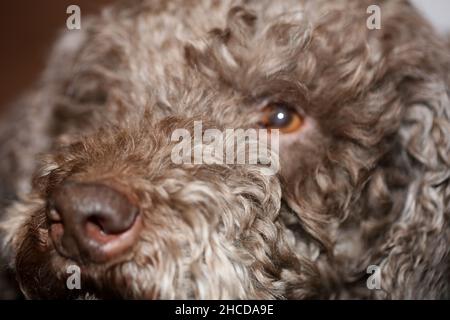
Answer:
(91, 222)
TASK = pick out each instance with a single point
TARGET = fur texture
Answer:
(365, 182)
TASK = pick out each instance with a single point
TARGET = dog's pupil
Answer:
(280, 117)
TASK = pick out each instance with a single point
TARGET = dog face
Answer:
(348, 102)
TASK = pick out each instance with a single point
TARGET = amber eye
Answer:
(281, 116)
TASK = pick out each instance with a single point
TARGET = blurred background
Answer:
(27, 30)
(29, 27)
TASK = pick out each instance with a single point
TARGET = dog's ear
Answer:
(420, 230)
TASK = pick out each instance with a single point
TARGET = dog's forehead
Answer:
(144, 47)
(161, 41)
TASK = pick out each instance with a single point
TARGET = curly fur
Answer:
(367, 182)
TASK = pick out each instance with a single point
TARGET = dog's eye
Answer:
(281, 116)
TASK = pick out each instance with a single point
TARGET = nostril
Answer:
(113, 220)
(56, 230)
(95, 232)
(53, 215)
(96, 222)
(103, 230)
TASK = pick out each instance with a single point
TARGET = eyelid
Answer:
(263, 103)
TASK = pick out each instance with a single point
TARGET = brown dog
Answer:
(364, 121)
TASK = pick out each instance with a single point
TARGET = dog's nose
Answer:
(91, 222)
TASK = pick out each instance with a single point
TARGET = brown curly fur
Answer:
(367, 184)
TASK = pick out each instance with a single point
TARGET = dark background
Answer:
(27, 30)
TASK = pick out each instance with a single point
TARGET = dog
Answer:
(360, 205)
